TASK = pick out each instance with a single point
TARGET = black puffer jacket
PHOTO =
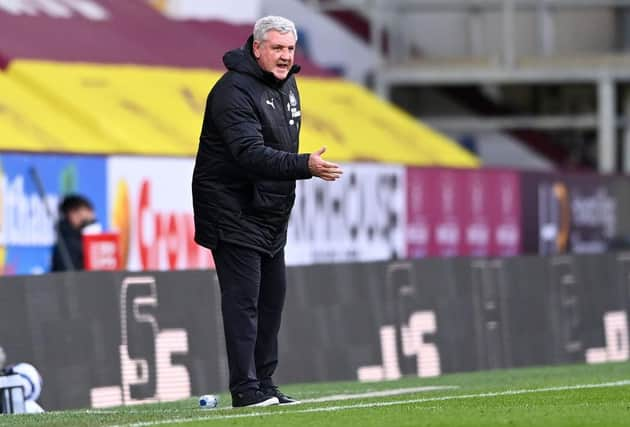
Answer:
(73, 239)
(244, 178)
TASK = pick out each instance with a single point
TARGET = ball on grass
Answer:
(208, 401)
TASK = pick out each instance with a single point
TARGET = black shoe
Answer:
(252, 398)
(282, 398)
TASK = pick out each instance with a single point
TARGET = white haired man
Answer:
(243, 192)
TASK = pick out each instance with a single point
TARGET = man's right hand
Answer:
(325, 170)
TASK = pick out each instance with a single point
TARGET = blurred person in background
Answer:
(243, 192)
(76, 217)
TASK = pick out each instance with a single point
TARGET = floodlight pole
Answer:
(606, 144)
(509, 56)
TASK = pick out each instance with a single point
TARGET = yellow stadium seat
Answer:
(28, 123)
(158, 111)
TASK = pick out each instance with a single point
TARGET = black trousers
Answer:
(253, 288)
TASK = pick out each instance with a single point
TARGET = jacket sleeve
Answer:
(236, 120)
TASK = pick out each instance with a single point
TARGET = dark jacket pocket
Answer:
(268, 202)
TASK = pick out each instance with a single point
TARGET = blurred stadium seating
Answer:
(125, 79)
(550, 76)
(128, 80)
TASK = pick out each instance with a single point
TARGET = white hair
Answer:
(278, 23)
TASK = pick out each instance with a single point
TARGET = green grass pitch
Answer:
(572, 395)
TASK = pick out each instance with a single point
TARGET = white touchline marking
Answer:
(378, 404)
(329, 398)
(382, 393)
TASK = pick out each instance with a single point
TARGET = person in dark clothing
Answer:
(243, 191)
(75, 213)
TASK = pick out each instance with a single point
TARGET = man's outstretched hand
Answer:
(325, 170)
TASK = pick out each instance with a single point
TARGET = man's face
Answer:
(275, 53)
(80, 216)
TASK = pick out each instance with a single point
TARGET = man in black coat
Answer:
(75, 214)
(243, 192)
